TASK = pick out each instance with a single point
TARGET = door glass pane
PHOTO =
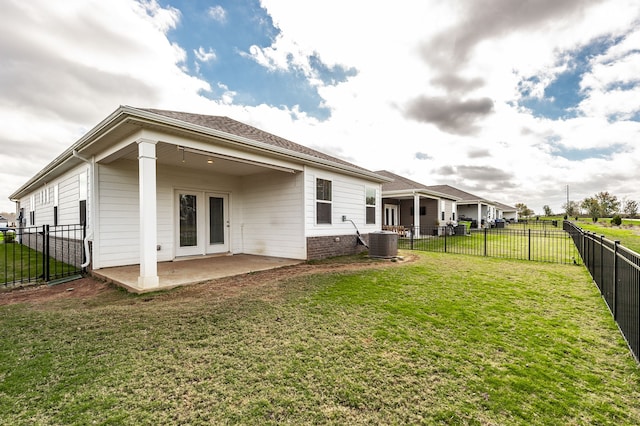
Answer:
(188, 221)
(216, 220)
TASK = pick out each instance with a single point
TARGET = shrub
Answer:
(616, 220)
(9, 237)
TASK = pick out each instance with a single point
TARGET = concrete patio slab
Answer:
(194, 270)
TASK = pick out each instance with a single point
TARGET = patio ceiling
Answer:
(180, 157)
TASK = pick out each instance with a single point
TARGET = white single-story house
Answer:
(506, 212)
(155, 186)
(470, 206)
(403, 198)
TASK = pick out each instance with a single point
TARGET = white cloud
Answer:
(217, 13)
(67, 65)
(205, 55)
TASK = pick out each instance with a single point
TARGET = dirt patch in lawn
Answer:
(83, 288)
(90, 287)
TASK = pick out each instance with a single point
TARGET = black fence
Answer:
(542, 244)
(41, 254)
(616, 271)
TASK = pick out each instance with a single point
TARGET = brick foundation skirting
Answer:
(335, 245)
(63, 249)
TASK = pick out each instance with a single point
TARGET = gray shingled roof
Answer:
(505, 207)
(463, 195)
(399, 183)
(233, 127)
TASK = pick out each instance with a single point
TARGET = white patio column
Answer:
(148, 215)
(479, 215)
(416, 215)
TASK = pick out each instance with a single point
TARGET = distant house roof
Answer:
(504, 207)
(465, 197)
(400, 184)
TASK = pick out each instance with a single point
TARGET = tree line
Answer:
(602, 204)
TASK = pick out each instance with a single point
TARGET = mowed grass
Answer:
(447, 339)
(539, 245)
(19, 263)
(628, 234)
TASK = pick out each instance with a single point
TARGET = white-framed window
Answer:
(442, 208)
(82, 207)
(82, 186)
(323, 201)
(44, 196)
(56, 198)
(32, 210)
(370, 202)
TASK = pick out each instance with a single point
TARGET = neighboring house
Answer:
(402, 198)
(506, 212)
(154, 185)
(470, 206)
(4, 222)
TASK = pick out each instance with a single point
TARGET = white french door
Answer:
(217, 228)
(202, 223)
(391, 215)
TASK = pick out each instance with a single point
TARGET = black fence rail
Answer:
(536, 223)
(616, 271)
(537, 244)
(41, 254)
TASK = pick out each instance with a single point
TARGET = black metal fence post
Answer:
(485, 241)
(412, 232)
(529, 242)
(446, 231)
(616, 243)
(602, 260)
(46, 273)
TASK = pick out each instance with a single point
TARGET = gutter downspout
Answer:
(87, 252)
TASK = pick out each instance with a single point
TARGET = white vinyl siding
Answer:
(118, 236)
(348, 199)
(64, 192)
(273, 217)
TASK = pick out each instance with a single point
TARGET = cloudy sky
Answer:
(510, 100)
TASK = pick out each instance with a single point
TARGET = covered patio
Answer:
(193, 270)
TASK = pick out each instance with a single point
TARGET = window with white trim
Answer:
(56, 197)
(370, 201)
(32, 210)
(82, 207)
(323, 201)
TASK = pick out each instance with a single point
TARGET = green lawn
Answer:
(19, 263)
(448, 339)
(628, 234)
(514, 242)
